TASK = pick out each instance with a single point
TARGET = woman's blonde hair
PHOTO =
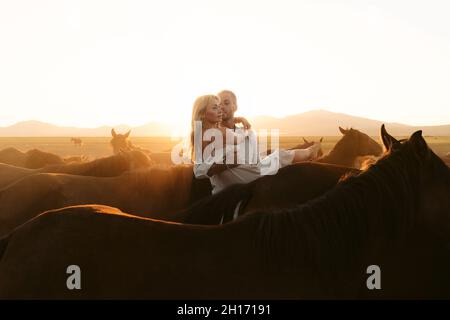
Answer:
(198, 114)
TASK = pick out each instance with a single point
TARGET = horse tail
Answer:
(218, 207)
(3, 244)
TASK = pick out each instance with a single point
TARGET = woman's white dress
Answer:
(246, 172)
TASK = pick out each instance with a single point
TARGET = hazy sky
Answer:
(88, 63)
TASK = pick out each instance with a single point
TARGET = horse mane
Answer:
(339, 148)
(332, 232)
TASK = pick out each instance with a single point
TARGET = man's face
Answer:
(228, 106)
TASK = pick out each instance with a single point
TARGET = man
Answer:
(229, 107)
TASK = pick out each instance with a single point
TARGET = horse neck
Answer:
(343, 153)
(337, 234)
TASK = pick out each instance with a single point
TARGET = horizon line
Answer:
(162, 122)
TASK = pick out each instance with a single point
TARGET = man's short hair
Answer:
(231, 93)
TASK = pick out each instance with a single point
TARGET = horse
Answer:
(146, 191)
(320, 249)
(121, 142)
(32, 159)
(104, 167)
(352, 145)
(77, 142)
(12, 156)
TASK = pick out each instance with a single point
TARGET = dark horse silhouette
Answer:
(320, 249)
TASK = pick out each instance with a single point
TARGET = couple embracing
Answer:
(225, 150)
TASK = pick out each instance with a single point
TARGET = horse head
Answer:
(120, 142)
(361, 143)
(431, 176)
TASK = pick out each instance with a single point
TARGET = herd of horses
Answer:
(142, 231)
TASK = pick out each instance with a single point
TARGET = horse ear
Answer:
(321, 139)
(343, 131)
(419, 143)
(127, 134)
(113, 132)
(304, 140)
(388, 140)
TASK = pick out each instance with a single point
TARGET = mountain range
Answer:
(311, 123)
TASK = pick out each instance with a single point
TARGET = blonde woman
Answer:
(206, 122)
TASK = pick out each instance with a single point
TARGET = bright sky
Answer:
(89, 63)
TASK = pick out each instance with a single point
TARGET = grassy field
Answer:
(160, 146)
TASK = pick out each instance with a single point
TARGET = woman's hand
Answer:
(243, 121)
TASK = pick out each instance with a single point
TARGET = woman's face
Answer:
(213, 112)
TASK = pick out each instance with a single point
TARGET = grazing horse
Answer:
(320, 249)
(31, 159)
(104, 167)
(121, 142)
(77, 142)
(352, 145)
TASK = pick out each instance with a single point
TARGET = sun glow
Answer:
(93, 63)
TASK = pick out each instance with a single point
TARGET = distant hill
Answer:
(41, 129)
(326, 123)
(311, 123)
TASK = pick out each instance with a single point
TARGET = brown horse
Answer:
(352, 145)
(104, 167)
(121, 142)
(32, 159)
(77, 142)
(143, 192)
(317, 250)
(12, 156)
